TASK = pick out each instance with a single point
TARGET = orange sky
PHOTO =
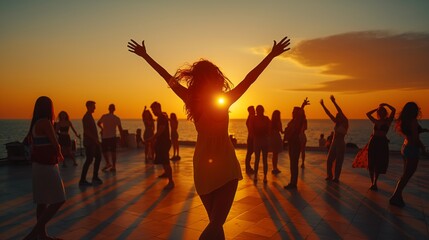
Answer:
(364, 53)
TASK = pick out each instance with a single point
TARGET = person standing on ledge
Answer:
(216, 168)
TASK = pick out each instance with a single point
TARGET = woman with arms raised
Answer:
(378, 148)
(216, 168)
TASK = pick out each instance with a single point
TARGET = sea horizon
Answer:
(12, 130)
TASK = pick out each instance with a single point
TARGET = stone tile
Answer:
(131, 204)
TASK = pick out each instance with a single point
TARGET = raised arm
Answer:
(327, 111)
(336, 105)
(392, 111)
(140, 50)
(305, 103)
(369, 115)
(278, 48)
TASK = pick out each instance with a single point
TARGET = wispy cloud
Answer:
(367, 61)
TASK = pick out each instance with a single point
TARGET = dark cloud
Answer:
(368, 61)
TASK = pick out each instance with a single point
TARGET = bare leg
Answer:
(44, 214)
(410, 167)
(218, 204)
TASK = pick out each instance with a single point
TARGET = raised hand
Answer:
(321, 102)
(332, 98)
(281, 47)
(136, 48)
(306, 102)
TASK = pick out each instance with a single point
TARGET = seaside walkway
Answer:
(131, 203)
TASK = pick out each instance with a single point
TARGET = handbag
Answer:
(361, 158)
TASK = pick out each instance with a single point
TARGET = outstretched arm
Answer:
(278, 48)
(392, 110)
(336, 105)
(327, 111)
(140, 50)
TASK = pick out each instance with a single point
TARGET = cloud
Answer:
(367, 61)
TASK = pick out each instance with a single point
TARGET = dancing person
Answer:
(48, 187)
(378, 147)
(174, 124)
(261, 137)
(108, 124)
(216, 168)
(292, 134)
(276, 141)
(407, 125)
(302, 136)
(92, 146)
(338, 146)
(322, 140)
(249, 144)
(62, 127)
(149, 131)
(162, 143)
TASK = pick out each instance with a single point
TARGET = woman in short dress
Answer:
(378, 147)
(62, 128)
(216, 168)
(48, 188)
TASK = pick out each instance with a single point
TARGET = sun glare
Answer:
(221, 101)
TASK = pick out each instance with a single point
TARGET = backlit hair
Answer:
(198, 76)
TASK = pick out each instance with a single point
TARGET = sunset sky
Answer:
(362, 52)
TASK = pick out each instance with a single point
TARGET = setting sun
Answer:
(221, 101)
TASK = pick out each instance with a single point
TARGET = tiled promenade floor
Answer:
(131, 204)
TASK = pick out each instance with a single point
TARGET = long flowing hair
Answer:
(202, 78)
(63, 116)
(43, 108)
(276, 122)
(410, 112)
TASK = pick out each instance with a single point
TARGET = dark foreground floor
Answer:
(131, 204)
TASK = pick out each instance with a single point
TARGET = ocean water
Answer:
(359, 131)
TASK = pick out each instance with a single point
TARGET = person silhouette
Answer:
(249, 144)
(108, 124)
(162, 143)
(149, 131)
(322, 140)
(62, 127)
(338, 146)
(92, 146)
(302, 136)
(174, 124)
(139, 139)
(292, 133)
(261, 137)
(408, 126)
(276, 141)
(48, 187)
(378, 147)
(216, 168)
